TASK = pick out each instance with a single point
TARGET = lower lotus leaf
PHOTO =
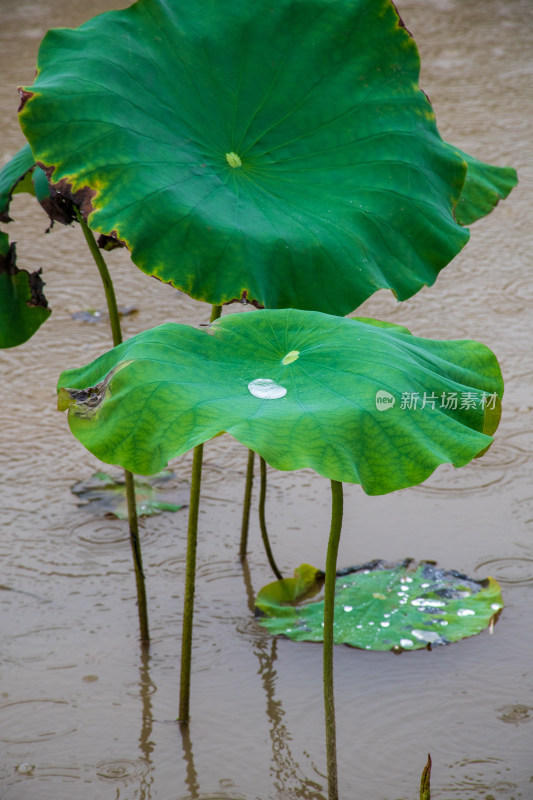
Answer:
(484, 187)
(357, 402)
(379, 606)
(107, 494)
(23, 306)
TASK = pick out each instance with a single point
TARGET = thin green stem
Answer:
(329, 606)
(135, 542)
(262, 520)
(116, 332)
(216, 311)
(246, 505)
(190, 572)
(96, 253)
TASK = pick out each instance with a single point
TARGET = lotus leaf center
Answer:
(233, 160)
(290, 357)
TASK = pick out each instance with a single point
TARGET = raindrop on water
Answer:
(26, 769)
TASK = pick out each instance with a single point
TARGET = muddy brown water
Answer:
(83, 713)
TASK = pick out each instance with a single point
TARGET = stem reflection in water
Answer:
(146, 743)
(289, 779)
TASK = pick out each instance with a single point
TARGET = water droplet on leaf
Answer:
(266, 389)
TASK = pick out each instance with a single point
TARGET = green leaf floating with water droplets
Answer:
(380, 606)
(282, 151)
(302, 388)
(107, 494)
(23, 306)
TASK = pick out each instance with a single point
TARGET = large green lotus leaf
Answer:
(278, 151)
(356, 402)
(23, 306)
(380, 606)
(484, 187)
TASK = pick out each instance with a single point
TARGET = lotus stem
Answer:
(246, 505)
(262, 521)
(135, 542)
(329, 610)
(190, 573)
(216, 311)
(96, 253)
(116, 332)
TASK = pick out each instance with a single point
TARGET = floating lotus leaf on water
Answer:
(93, 315)
(282, 152)
(357, 402)
(23, 306)
(380, 606)
(107, 494)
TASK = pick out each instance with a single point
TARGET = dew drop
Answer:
(426, 636)
(266, 389)
(25, 769)
(422, 602)
(495, 606)
(406, 643)
(348, 608)
(465, 612)
(384, 624)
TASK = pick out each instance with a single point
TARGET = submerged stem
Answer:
(329, 606)
(116, 332)
(190, 572)
(246, 505)
(262, 521)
